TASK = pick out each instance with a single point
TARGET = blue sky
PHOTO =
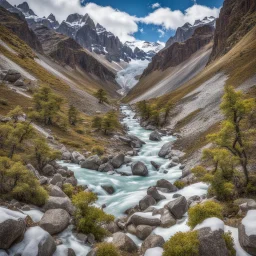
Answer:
(133, 19)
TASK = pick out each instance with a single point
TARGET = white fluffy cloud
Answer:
(120, 23)
(155, 5)
(161, 32)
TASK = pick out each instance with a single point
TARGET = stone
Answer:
(92, 163)
(77, 157)
(211, 242)
(167, 220)
(127, 160)
(81, 237)
(59, 203)
(12, 76)
(56, 178)
(112, 227)
(55, 191)
(43, 180)
(19, 83)
(12, 227)
(118, 160)
(193, 199)
(175, 159)
(152, 191)
(139, 219)
(66, 156)
(146, 202)
(109, 189)
(165, 149)
(91, 239)
(167, 185)
(139, 169)
(143, 231)
(124, 242)
(131, 229)
(176, 195)
(48, 170)
(55, 221)
(178, 207)
(155, 136)
(107, 167)
(155, 165)
(31, 168)
(71, 180)
(152, 241)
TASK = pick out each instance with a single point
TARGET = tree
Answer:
(47, 105)
(16, 113)
(97, 122)
(101, 95)
(235, 135)
(144, 109)
(72, 115)
(110, 122)
(43, 154)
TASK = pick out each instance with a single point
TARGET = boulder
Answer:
(107, 167)
(165, 149)
(48, 170)
(178, 207)
(65, 173)
(43, 180)
(155, 165)
(71, 180)
(139, 169)
(118, 160)
(31, 168)
(36, 242)
(92, 163)
(66, 156)
(12, 227)
(144, 219)
(112, 227)
(77, 157)
(247, 232)
(56, 191)
(167, 220)
(109, 189)
(212, 242)
(131, 229)
(152, 191)
(12, 76)
(54, 221)
(59, 203)
(19, 83)
(81, 237)
(135, 141)
(56, 178)
(146, 202)
(143, 231)
(167, 185)
(152, 241)
(124, 242)
(155, 136)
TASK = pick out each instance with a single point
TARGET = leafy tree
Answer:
(72, 115)
(110, 122)
(236, 134)
(144, 110)
(43, 154)
(101, 95)
(17, 182)
(47, 105)
(88, 218)
(16, 113)
(97, 122)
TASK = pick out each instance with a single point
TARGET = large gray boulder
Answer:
(59, 203)
(155, 165)
(56, 178)
(118, 160)
(12, 227)
(19, 83)
(107, 167)
(144, 219)
(139, 169)
(36, 242)
(92, 163)
(54, 221)
(165, 149)
(155, 136)
(31, 168)
(212, 242)
(178, 207)
(77, 157)
(48, 170)
(124, 242)
(165, 184)
(167, 220)
(143, 231)
(66, 155)
(147, 201)
(247, 232)
(71, 180)
(56, 191)
(152, 191)
(152, 241)
(12, 76)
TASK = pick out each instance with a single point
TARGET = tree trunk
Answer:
(12, 151)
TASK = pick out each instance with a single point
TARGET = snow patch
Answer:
(6, 214)
(213, 223)
(249, 222)
(157, 251)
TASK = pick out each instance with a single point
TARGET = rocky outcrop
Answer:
(124, 242)
(155, 136)
(178, 207)
(165, 184)
(144, 219)
(12, 76)
(118, 160)
(143, 231)
(92, 163)
(180, 52)
(146, 202)
(152, 191)
(165, 149)
(152, 241)
(237, 17)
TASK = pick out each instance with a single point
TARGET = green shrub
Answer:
(179, 184)
(68, 189)
(230, 209)
(229, 243)
(17, 182)
(182, 244)
(198, 213)
(99, 150)
(107, 249)
(88, 218)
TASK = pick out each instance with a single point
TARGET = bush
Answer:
(230, 209)
(229, 243)
(99, 150)
(88, 218)
(107, 249)
(68, 189)
(179, 184)
(17, 182)
(198, 213)
(182, 244)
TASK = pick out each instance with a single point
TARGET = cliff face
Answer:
(18, 26)
(179, 52)
(237, 17)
